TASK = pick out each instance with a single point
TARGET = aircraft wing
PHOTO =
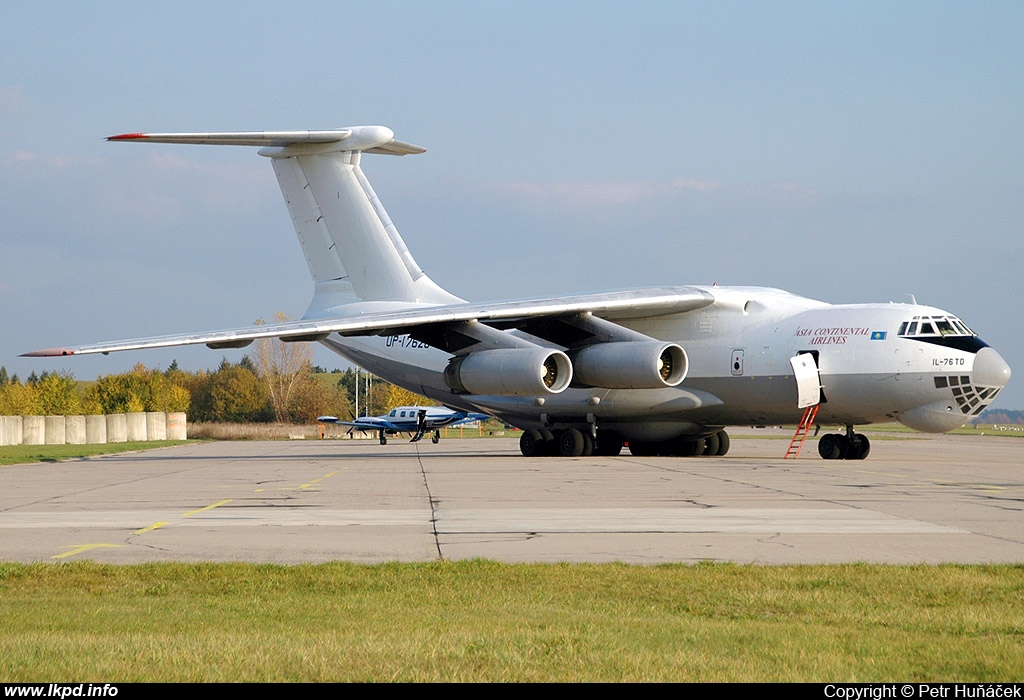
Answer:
(650, 301)
(363, 424)
(447, 422)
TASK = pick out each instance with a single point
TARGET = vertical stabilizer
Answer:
(352, 248)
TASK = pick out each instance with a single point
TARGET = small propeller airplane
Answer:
(415, 420)
(663, 369)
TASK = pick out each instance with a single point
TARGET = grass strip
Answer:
(485, 621)
(24, 454)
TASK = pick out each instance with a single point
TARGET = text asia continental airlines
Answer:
(664, 369)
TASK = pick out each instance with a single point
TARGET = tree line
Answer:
(278, 383)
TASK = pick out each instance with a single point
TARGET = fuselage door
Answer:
(808, 383)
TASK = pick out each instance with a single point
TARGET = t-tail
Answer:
(355, 255)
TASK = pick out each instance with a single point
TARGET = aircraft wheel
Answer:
(531, 443)
(723, 443)
(684, 447)
(436, 437)
(711, 445)
(550, 445)
(383, 438)
(827, 447)
(588, 444)
(609, 443)
(860, 446)
(571, 443)
(690, 448)
(844, 446)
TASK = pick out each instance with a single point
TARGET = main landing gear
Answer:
(608, 443)
(569, 443)
(849, 446)
(713, 445)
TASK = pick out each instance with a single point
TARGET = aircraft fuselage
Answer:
(739, 372)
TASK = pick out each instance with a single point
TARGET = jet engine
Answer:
(630, 365)
(510, 372)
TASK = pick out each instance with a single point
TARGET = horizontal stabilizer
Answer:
(370, 139)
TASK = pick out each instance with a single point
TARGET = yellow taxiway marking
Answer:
(209, 507)
(149, 528)
(310, 484)
(82, 548)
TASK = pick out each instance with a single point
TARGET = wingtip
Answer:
(50, 352)
(126, 137)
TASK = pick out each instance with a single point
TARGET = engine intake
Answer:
(510, 372)
(630, 365)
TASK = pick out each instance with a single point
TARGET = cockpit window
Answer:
(934, 325)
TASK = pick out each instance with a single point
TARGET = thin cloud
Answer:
(30, 163)
(167, 186)
(587, 199)
(158, 187)
(14, 103)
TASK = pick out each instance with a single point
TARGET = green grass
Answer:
(23, 454)
(485, 621)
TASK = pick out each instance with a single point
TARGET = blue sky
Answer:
(843, 151)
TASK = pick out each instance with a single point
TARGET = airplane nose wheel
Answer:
(838, 446)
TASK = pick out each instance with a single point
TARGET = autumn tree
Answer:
(237, 395)
(376, 396)
(58, 394)
(139, 390)
(389, 396)
(17, 399)
(282, 367)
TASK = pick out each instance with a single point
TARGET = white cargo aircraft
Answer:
(415, 420)
(665, 369)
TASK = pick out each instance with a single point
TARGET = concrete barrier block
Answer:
(95, 430)
(177, 426)
(156, 425)
(56, 433)
(136, 427)
(10, 430)
(117, 427)
(34, 430)
(74, 430)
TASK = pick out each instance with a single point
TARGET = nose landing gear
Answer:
(849, 446)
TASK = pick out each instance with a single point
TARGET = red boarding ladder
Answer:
(810, 413)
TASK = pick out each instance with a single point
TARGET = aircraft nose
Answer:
(990, 369)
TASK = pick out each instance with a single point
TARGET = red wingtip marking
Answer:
(50, 352)
(126, 137)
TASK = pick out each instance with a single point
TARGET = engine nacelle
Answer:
(510, 372)
(630, 365)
